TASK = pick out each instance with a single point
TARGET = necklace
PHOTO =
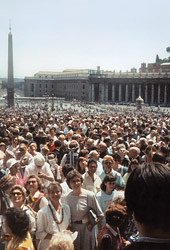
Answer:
(54, 217)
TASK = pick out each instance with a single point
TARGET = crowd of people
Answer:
(84, 181)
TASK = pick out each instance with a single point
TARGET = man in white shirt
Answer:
(91, 181)
(41, 169)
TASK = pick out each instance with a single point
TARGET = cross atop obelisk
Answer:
(10, 86)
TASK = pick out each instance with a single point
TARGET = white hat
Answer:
(11, 162)
(39, 160)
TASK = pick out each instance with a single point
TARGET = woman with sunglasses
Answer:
(108, 163)
(18, 198)
(36, 199)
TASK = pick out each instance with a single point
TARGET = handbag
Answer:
(92, 217)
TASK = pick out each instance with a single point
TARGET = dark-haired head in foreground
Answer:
(17, 221)
(147, 198)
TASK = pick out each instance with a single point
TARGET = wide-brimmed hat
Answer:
(11, 162)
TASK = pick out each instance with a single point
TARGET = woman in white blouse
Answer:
(53, 218)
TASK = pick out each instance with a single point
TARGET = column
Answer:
(120, 92)
(92, 93)
(159, 93)
(165, 94)
(113, 93)
(90, 88)
(152, 94)
(102, 93)
(126, 93)
(133, 92)
(106, 92)
(146, 93)
(140, 93)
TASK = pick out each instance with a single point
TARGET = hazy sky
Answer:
(53, 35)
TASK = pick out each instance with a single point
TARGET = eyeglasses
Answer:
(108, 162)
(22, 149)
(16, 193)
(29, 182)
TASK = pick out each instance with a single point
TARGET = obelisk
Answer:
(10, 87)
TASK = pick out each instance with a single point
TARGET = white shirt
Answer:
(47, 225)
(33, 170)
(89, 184)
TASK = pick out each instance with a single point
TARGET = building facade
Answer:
(103, 87)
(69, 84)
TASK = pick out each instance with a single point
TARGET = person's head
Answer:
(32, 147)
(33, 183)
(16, 222)
(73, 146)
(58, 144)
(92, 166)
(81, 164)
(45, 150)
(6, 182)
(74, 179)
(84, 153)
(13, 166)
(22, 148)
(89, 143)
(39, 160)
(134, 152)
(147, 196)
(108, 162)
(61, 241)
(17, 195)
(2, 146)
(102, 147)
(54, 191)
(108, 183)
(94, 155)
(115, 215)
(66, 170)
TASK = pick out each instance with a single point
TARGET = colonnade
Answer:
(151, 93)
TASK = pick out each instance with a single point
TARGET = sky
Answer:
(54, 35)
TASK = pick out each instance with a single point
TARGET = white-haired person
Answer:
(41, 169)
(61, 241)
(53, 218)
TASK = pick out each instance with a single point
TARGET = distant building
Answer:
(69, 84)
(153, 85)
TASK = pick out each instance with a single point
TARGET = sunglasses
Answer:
(16, 193)
(108, 162)
(29, 182)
